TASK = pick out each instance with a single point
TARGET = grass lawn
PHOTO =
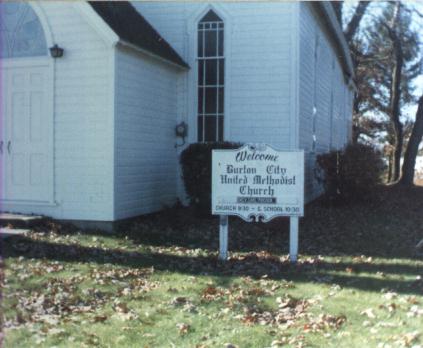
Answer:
(358, 282)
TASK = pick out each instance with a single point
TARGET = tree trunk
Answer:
(413, 147)
(395, 94)
(356, 124)
(352, 28)
(395, 110)
(389, 179)
(396, 166)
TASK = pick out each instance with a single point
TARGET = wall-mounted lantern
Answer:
(181, 131)
(56, 51)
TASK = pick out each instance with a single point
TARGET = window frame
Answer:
(218, 89)
(11, 38)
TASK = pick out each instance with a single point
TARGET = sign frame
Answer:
(258, 216)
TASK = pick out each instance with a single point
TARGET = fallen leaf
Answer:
(369, 313)
(183, 328)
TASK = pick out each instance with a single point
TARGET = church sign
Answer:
(257, 183)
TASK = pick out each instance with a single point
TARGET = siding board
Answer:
(145, 117)
(328, 80)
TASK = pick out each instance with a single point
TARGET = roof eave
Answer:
(96, 22)
(127, 44)
(332, 22)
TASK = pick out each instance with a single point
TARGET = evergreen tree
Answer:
(387, 57)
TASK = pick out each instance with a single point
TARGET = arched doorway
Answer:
(26, 92)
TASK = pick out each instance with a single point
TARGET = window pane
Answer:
(200, 71)
(211, 99)
(210, 42)
(200, 43)
(200, 128)
(21, 33)
(221, 100)
(220, 135)
(210, 128)
(211, 72)
(210, 17)
(200, 100)
(221, 71)
(221, 43)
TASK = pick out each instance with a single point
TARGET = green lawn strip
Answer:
(160, 323)
(135, 290)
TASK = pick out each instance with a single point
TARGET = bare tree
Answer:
(354, 23)
(413, 147)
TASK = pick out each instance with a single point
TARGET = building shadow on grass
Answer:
(377, 228)
(386, 225)
(360, 275)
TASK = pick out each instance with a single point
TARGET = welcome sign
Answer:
(257, 182)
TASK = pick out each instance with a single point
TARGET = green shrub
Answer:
(196, 161)
(350, 174)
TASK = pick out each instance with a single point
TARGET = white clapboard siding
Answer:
(259, 79)
(332, 118)
(115, 109)
(145, 118)
(259, 60)
(83, 124)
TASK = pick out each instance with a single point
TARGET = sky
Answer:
(418, 22)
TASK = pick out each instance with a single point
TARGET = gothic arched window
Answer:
(21, 33)
(210, 57)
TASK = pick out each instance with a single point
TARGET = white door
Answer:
(27, 139)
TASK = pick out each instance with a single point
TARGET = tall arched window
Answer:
(21, 33)
(211, 81)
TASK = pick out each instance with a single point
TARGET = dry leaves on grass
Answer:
(295, 341)
(288, 312)
(61, 299)
(114, 275)
(407, 340)
(325, 322)
(183, 328)
(369, 313)
(184, 303)
(250, 291)
(415, 311)
(123, 312)
(25, 270)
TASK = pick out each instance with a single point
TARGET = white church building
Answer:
(91, 94)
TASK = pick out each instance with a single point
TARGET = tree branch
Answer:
(354, 23)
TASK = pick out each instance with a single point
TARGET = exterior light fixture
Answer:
(181, 131)
(56, 51)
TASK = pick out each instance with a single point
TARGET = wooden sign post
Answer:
(223, 237)
(293, 238)
(258, 183)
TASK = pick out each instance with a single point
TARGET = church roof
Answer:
(133, 28)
